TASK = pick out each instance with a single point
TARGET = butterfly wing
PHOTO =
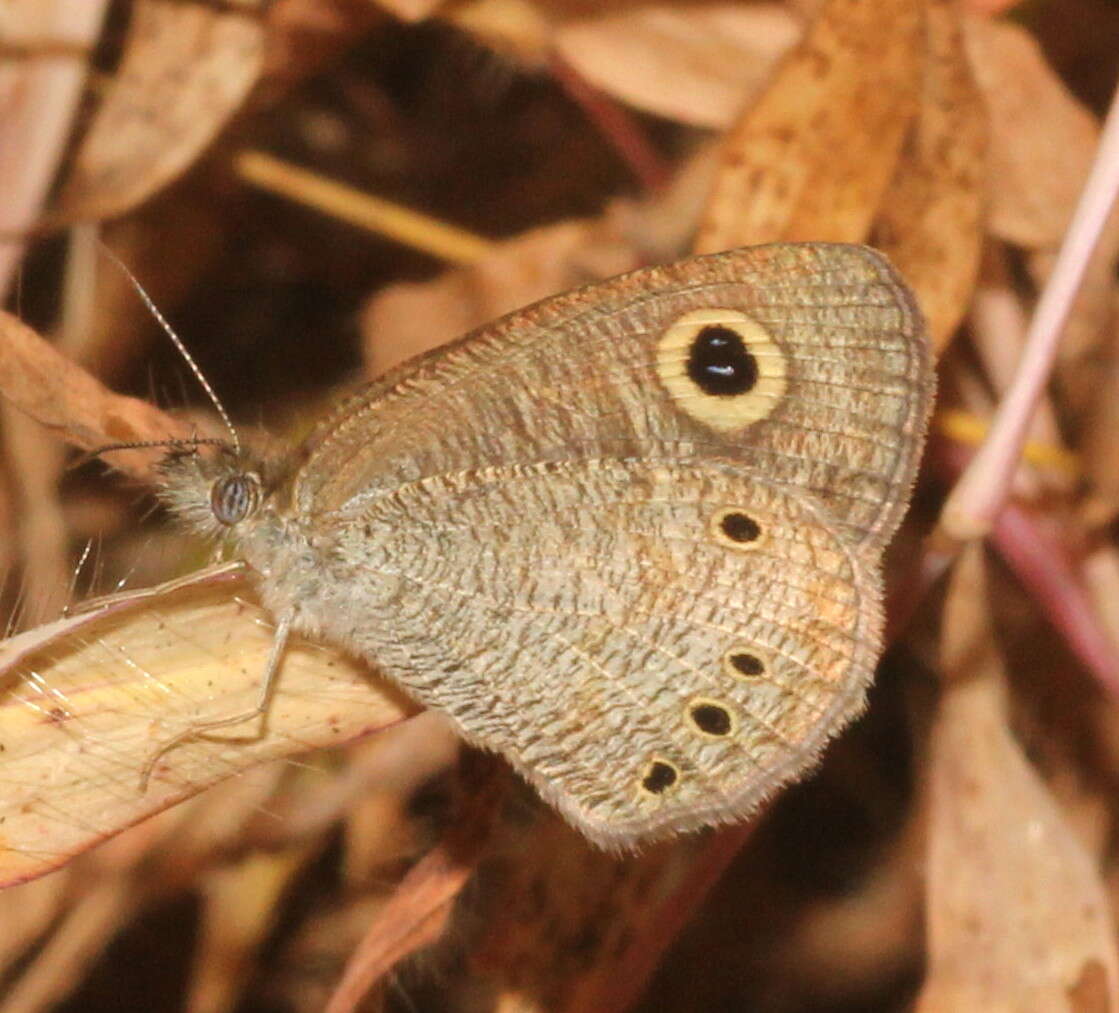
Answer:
(629, 537)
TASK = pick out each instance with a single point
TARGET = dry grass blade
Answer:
(89, 700)
(812, 158)
(1018, 917)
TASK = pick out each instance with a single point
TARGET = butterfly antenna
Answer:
(180, 347)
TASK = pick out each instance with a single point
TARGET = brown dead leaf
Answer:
(410, 10)
(812, 158)
(186, 70)
(41, 381)
(409, 318)
(1018, 918)
(1042, 139)
(88, 700)
(420, 908)
(699, 65)
(931, 218)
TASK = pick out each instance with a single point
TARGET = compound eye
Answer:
(234, 497)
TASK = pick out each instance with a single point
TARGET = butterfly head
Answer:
(217, 491)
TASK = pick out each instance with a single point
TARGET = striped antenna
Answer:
(177, 342)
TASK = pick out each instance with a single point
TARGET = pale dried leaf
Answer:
(409, 318)
(410, 10)
(1018, 918)
(517, 29)
(1042, 139)
(699, 65)
(89, 700)
(38, 99)
(812, 158)
(186, 70)
(930, 223)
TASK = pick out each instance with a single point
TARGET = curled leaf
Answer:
(813, 156)
(88, 701)
(186, 69)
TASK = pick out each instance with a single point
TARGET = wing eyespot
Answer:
(721, 367)
(711, 718)
(743, 663)
(659, 777)
(737, 529)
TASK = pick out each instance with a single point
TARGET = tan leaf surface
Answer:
(699, 65)
(813, 156)
(186, 70)
(410, 10)
(86, 702)
(409, 318)
(931, 218)
(55, 391)
(1018, 919)
(1042, 138)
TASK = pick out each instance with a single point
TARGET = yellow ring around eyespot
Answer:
(696, 703)
(964, 427)
(725, 412)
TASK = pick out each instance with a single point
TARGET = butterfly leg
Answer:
(202, 729)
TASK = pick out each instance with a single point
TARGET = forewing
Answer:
(839, 410)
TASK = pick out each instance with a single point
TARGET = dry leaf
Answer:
(88, 701)
(410, 10)
(1042, 139)
(699, 65)
(409, 318)
(41, 381)
(813, 156)
(186, 70)
(1018, 918)
(38, 100)
(931, 218)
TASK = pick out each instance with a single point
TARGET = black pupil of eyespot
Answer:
(233, 498)
(740, 528)
(720, 363)
(711, 719)
(747, 664)
(660, 777)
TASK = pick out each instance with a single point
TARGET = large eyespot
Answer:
(234, 497)
(721, 367)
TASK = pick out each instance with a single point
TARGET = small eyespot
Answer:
(709, 717)
(736, 528)
(743, 663)
(660, 775)
(234, 497)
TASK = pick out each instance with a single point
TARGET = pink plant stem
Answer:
(978, 497)
(615, 124)
(1044, 568)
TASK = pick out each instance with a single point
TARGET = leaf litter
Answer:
(955, 849)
